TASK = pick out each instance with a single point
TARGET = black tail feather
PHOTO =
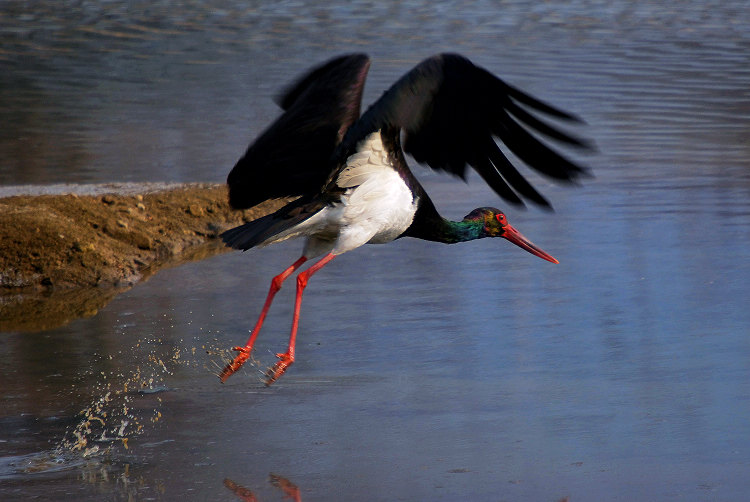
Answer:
(258, 231)
(243, 237)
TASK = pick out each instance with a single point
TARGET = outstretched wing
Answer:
(292, 157)
(450, 111)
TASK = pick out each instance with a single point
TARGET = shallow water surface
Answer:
(424, 372)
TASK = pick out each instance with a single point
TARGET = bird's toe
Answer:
(278, 369)
(235, 364)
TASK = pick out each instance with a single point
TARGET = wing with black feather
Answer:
(292, 157)
(451, 111)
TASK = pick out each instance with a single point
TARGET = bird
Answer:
(347, 177)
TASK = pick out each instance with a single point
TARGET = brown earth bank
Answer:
(66, 256)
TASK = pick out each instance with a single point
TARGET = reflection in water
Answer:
(38, 311)
(99, 473)
(289, 489)
(242, 492)
(50, 309)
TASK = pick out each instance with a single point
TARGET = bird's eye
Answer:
(501, 219)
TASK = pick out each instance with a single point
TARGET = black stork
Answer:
(352, 182)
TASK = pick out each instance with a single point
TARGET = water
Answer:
(425, 372)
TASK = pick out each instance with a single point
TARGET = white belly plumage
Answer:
(376, 208)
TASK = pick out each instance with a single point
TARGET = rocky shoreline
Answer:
(64, 256)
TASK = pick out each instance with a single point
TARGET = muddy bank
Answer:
(65, 256)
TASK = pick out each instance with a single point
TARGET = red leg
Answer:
(244, 352)
(286, 359)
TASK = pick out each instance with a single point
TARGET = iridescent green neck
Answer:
(451, 232)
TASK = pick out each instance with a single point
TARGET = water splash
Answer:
(125, 403)
(111, 416)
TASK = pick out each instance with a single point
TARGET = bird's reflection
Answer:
(290, 490)
(241, 492)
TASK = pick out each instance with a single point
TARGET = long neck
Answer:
(450, 232)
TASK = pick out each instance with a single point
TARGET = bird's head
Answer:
(495, 224)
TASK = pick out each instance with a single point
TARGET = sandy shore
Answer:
(65, 255)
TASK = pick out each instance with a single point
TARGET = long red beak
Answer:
(519, 240)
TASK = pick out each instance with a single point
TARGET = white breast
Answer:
(378, 206)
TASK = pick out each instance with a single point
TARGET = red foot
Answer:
(237, 362)
(278, 369)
